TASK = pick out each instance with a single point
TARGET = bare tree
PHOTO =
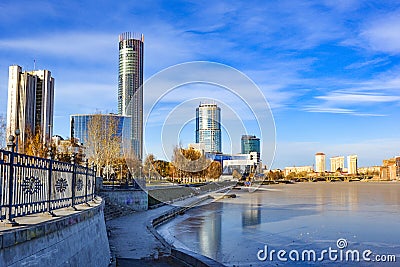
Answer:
(133, 163)
(3, 128)
(148, 166)
(103, 145)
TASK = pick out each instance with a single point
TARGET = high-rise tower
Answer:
(320, 165)
(208, 127)
(337, 163)
(30, 104)
(352, 164)
(130, 86)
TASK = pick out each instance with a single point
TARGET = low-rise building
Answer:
(372, 170)
(298, 169)
(337, 163)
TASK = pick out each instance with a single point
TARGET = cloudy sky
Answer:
(328, 69)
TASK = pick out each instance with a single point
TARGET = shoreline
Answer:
(134, 237)
(187, 256)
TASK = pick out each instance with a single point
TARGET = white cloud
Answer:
(353, 98)
(336, 110)
(82, 97)
(377, 33)
(76, 45)
(383, 34)
(362, 98)
(374, 62)
(322, 109)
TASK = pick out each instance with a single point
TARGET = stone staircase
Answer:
(114, 210)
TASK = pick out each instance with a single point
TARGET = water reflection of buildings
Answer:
(210, 233)
(251, 214)
(343, 195)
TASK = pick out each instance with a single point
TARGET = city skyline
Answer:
(332, 85)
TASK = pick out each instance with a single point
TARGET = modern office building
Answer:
(337, 163)
(320, 165)
(208, 127)
(130, 86)
(30, 103)
(352, 164)
(250, 143)
(80, 122)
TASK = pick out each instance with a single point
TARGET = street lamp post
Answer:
(17, 133)
(140, 177)
(149, 175)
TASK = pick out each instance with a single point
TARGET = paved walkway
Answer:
(34, 219)
(130, 238)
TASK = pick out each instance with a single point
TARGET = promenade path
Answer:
(133, 244)
(38, 218)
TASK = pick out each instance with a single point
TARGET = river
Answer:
(296, 218)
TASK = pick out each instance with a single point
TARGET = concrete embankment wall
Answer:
(134, 199)
(139, 200)
(161, 196)
(79, 239)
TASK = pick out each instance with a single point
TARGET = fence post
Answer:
(86, 183)
(94, 168)
(11, 147)
(50, 179)
(73, 180)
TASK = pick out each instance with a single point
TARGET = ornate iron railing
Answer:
(31, 185)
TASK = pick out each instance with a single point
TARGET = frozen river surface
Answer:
(298, 219)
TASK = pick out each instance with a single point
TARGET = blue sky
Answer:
(329, 69)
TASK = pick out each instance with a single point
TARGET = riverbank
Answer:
(134, 240)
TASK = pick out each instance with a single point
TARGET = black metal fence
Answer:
(32, 185)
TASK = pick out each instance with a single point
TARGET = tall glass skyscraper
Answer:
(208, 127)
(130, 86)
(80, 122)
